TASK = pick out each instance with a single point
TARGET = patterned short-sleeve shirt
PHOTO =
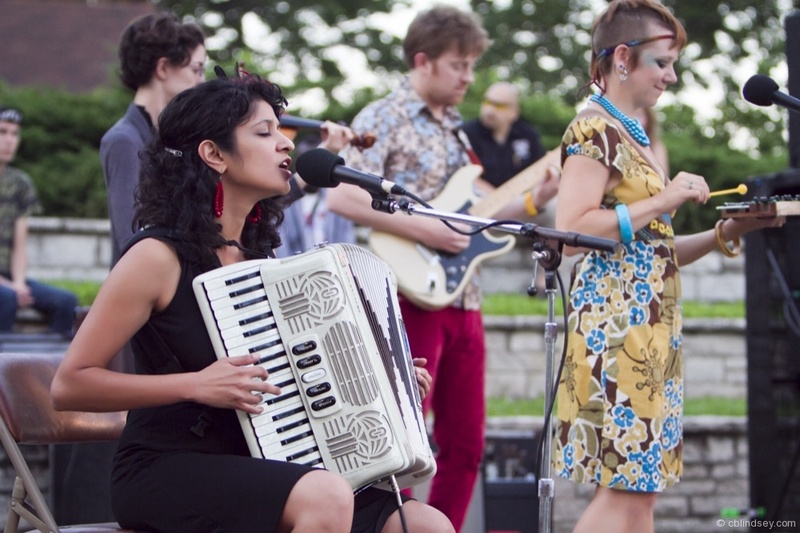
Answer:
(414, 150)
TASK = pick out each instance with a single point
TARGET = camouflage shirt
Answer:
(414, 150)
(18, 198)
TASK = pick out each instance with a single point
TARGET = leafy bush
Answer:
(61, 135)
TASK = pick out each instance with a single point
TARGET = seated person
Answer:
(207, 199)
(18, 199)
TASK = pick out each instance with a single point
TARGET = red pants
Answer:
(452, 340)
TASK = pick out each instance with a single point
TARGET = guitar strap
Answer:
(464, 140)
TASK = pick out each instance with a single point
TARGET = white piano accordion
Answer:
(327, 327)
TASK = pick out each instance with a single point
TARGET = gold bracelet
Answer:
(530, 207)
(729, 252)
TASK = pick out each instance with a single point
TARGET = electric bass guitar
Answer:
(433, 279)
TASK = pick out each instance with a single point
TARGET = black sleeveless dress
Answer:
(186, 467)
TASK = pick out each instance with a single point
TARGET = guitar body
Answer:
(429, 278)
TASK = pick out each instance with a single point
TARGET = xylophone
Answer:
(762, 206)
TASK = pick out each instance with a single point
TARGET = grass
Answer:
(519, 304)
(86, 291)
(493, 304)
(692, 407)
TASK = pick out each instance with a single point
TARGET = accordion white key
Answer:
(326, 325)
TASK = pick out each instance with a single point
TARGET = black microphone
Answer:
(762, 90)
(320, 168)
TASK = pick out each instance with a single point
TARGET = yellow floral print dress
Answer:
(619, 407)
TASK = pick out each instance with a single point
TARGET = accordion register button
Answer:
(309, 361)
(320, 388)
(314, 375)
(319, 405)
(304, 347)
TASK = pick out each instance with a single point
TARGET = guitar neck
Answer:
(496, 200)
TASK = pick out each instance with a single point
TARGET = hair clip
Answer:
(176, 153)
(220, 72)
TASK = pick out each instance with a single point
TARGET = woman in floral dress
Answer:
(620, 397)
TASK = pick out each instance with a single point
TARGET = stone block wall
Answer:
(713, 278)
(68, 248)
(65, 248)
(715, 356)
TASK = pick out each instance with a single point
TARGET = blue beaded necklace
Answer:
(633, 126)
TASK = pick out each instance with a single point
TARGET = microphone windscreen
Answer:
(316, 167)
(759, 90)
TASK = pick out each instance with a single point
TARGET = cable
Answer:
(396, 490)
(478, 229)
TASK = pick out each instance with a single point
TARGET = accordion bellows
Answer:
(326, 325)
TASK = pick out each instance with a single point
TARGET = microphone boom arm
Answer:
(529, 230)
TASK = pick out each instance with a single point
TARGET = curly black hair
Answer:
(176, 188)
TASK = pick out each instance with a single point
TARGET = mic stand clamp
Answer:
(384, 203)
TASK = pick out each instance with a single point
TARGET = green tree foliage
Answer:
(323, 48)
(301, 38)
(542, 45)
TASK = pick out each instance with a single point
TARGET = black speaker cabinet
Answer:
(772, 266)
(510, 489)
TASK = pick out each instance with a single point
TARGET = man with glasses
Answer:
(159, 57)
(419, 146)
(505, 143)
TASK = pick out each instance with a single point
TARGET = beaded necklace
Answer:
(633, 126)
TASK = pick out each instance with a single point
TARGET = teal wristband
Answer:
(625, 226)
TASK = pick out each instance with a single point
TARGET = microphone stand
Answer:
(547, 245)
(547, 253)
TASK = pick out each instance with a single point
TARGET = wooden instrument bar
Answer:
(786, 205)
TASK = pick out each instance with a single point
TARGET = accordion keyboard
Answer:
(247, 325)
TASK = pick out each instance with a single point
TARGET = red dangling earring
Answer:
(255, 214)
(219, 199)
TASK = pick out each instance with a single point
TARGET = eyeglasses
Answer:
(636, 42)
(198, 68)
(497, 105)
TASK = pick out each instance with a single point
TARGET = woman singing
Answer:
(208, 198)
